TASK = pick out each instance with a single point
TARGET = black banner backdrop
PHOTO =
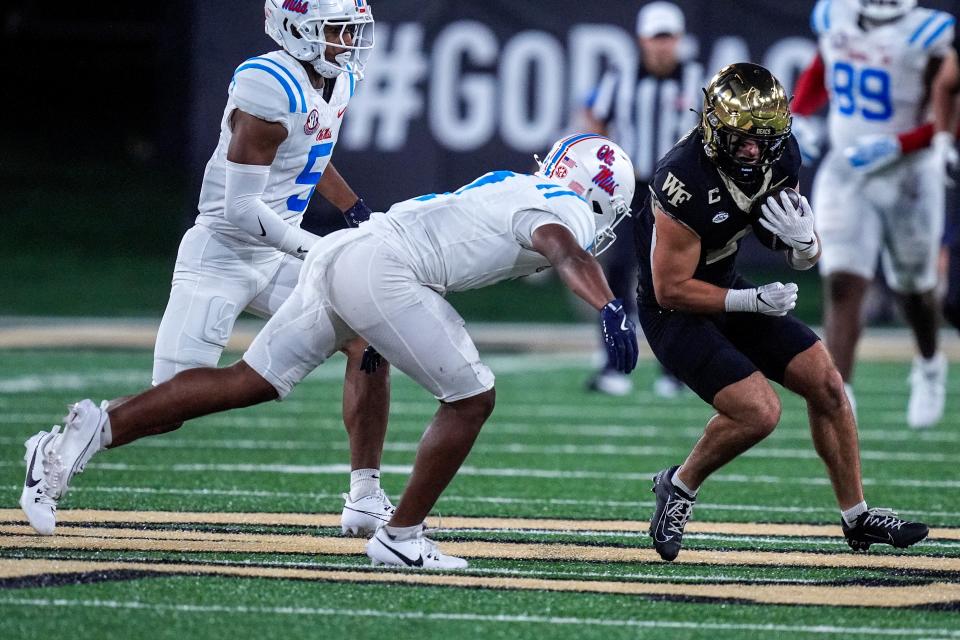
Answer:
(456, 88)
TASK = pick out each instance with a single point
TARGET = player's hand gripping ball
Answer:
(766, 237)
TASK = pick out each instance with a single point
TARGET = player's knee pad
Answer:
(194, 341)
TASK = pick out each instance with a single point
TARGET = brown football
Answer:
(766, 238)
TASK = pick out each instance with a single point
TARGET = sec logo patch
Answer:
(313, 121)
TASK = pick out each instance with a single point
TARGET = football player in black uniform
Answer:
(723, 336)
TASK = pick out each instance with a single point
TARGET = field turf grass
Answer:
(228, 527)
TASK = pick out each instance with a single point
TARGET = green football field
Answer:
(228, 527)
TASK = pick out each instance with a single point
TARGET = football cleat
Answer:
(418, 552)
(37, 503)
(610, 382)
(928, 390)
(668, 387)
(672, 512)
(363, 516)
(882, 526)
(54, 457)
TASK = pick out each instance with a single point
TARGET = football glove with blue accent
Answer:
(619, 337)
(873, 152)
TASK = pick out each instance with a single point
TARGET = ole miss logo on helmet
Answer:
(296, 6)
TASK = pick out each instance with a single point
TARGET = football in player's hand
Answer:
(767, 238)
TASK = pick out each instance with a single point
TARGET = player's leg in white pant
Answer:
(212, 283)
(914, 222)
(366, 406)
(851, 236)
(418, 331)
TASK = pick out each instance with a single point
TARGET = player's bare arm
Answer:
(335, 189)
(579, 270)
(254, 141)
(676, 254)
(252, 149)
(943, 90)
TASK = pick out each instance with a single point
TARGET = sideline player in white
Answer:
(385, 282)
(279, 127)
(881, 64)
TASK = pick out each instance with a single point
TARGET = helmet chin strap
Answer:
(325, 68)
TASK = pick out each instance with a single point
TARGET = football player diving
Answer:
(385, 282)
(725, 337)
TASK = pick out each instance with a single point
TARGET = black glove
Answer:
(358, 213)
(371, 360)
(619, 336)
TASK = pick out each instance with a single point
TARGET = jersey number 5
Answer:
(865, 90)
(309, 177)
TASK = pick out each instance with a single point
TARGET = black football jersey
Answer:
(688, 187)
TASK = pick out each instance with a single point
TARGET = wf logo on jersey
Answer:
(296, 6)
(313, 121)
(675, 190)
(606, 155)
(604, 180)
(324, 134)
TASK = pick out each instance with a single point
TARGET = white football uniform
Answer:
(222, 270)
(385, 281)
(876, 82)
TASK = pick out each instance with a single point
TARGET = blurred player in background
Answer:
(279, 128)
(385, 281)
(882, 64)
(646, 114)
(725, 337)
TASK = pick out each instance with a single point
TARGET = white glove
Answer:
(774, 299)
(873, 152)
(944, 146)
(793, 225)
(809, 133)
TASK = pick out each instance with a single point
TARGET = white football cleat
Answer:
(418, 552)
(37, 503)
(54, 458)
(363, 516)
(611, 383)
(928, 391)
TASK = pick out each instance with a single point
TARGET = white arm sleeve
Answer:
(245, 208)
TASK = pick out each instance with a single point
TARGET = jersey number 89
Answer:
(865, 91)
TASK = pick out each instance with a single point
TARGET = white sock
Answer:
(680, 484)
(850, 515)
(363, 482)
(403, 533)
(106, 431)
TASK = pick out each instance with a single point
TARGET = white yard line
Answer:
(516, 472)
(615, 450)
(136, 605)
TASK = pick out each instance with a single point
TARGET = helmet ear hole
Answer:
(596, 208)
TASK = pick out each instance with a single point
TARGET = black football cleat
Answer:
(673, 510)
(882, 526)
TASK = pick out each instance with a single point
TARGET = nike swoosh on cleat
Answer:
(263, 231)
(367, 513)
(30, 482)
(407, 561)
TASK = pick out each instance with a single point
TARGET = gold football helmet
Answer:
(743, 102)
